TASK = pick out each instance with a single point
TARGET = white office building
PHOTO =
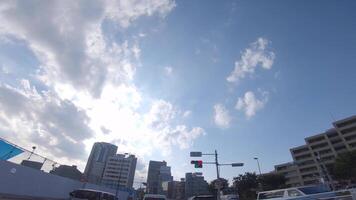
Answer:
(120, 170)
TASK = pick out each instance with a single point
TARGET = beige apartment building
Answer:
(311, 160)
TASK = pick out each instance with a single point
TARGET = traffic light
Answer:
(197, 163)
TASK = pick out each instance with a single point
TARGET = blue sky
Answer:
(155, 77)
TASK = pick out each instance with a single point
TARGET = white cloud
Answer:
(168, 70)
(250, 104)
(187, 113)
(221, 116)
(56, 126)
(88, 93)
(256, 55)
(67, 39)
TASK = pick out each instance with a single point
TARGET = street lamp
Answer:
(258, 164)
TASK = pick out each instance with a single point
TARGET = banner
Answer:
(8, 151)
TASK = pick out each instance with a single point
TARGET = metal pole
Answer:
(217, 174)
(217, 165)
(259, 167)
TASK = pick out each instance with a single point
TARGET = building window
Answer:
(300, 150)
(336, 141)
(308, 169)
(331, 135)
(319, 145)
(340, 148)
(348, 130)
(325, 151)
(303, 156)
(320, 138)
(351, 137)
(346, 123)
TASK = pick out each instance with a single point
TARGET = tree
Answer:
(272, 181)
(246, 185)
(212, 188)
(345, 167)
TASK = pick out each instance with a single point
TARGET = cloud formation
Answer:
(221, 116)
(249, 104)
(67, 38)
(256, 55)
(168, 70)
(86, 77)
(56, 125)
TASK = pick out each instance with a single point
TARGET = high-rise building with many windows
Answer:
(312, 160)
(119, 170)
(95, 166)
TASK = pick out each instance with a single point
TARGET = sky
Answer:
(161, 78)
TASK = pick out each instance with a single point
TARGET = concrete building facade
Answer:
(119, 170)
(312, 160)
(154, 177)
(95, 166)
(195, 185)
(290, 172)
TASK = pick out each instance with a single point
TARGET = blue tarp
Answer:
(8, 151)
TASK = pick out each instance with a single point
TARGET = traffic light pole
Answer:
(217, 165)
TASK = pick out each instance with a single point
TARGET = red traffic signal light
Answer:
(197, 163)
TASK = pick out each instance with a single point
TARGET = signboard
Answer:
(195, 154)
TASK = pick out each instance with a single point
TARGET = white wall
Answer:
(21, 180)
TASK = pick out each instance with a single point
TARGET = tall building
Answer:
(312, 160)
(174, 189)
(195, 185)
(67, 171)
(120, 170)
(164, 178)
(99, 154)
(179, 189)
(157, 172)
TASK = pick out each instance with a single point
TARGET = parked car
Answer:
(300, 193)
(88, 194)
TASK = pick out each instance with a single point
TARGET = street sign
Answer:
(195, 154)
(237, 164)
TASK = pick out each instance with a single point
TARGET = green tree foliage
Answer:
(345, 167)
(272, 181)
(213, 190)
(246, 185)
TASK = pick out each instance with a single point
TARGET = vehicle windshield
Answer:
(154, 198)
(83, 194)
(204, 198)
(313, 189)
(271, 195)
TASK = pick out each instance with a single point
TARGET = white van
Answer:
(154, 197)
